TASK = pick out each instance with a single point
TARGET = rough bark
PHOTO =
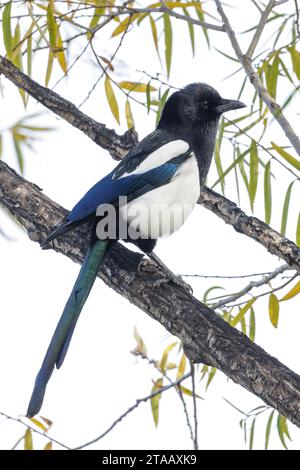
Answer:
(206, 337)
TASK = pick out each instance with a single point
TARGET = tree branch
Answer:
(205, 336)
(260, 28)
(118, 146)
(258, 84)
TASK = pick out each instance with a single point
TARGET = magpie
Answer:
(152, 191)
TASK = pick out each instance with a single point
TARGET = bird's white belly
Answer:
(163, 210)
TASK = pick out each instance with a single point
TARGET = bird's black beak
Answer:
(228, 105)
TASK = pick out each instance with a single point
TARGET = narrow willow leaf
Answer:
(286, 72)
(155, 400)
(111, 99)
(164, 358)
(161, 104)
(227, 55)
(154, 34)
(285, 210)
(268, 192)
(208, 291)
(29, 56)
(6, 28)
(168, 42)
(281, 429)
(189, 392)
(48, 446)
(295, 56)
(28, 444)
(39, 424)
(52, 26)
(200, 14)
(253, 173)
(129, 116)
(292, 293)
(136, 87)
(98, 12)
(242, 312)
(268, 429)
(291, 160)
(181, 367)
(191, 29)
(124, 25)
(141, 345)
(148, 97)
(243, 326)
(217, 155)
(49, 67)
(298, 231)
(60, 53)
(252, 431)
(272, 73)
(274, 309)
(252, 324)
(228, 170)
(211, 375)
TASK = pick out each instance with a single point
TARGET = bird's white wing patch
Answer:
(162, 155)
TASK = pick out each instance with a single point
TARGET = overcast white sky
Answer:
(100, 378)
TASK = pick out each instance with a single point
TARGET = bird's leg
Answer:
(172, 277)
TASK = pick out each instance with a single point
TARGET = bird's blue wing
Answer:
(108, 190)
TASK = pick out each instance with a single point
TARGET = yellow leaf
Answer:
(60, 54)
(289, 158)
(6, 28)
(49, 67)
(242, 312)
(181, 367)
(274, 309)
(52, 26)
(111, 99)
(189, 392)
(163, 361)
(292, 293)
(48, 446)
(39, 424)
(141, 345)
(28, 445)
(136, 87)
(124, 24)
(155, 400)
(129, 116)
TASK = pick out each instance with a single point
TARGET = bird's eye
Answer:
(204, 104)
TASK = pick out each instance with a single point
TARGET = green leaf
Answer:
(282, 429)
(111, 99)
(129, 116)
(295, 56)
(6, 28)
(251, 440)
(98, 12)
(181, 367)
(188, 392)
(155, 400)
(291, 160)
(154, 34)
(163, 361)
(274, 309)
(191, 29)
(272, 73)
(60, 53)
(292, 293)
(268, 429)
(136, 87)
(208, 291)
(161, 104)
(217, 155)
(52, 26)
(124, 25)
(252, 325)
(268, 192)
(49, 67)
(28, 444)
(168, 42)
(253, 173)
(211, 375)
(242, 312)
(18, 151)
(29, 56)
(285, 210)
(228, 170)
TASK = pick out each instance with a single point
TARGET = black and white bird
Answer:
(161, 180)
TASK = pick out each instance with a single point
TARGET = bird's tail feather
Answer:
(63, 333)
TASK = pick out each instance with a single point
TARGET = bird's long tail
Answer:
(62, 336)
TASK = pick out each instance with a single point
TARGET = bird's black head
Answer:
(195, 105)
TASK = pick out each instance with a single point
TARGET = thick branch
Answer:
(206, 337)
(118, 146)
(258, 84)
(108, 139)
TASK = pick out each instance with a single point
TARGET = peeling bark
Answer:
(206, 337)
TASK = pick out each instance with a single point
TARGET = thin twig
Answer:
(260, 27)
(196, 446)
(261, 282)
(258, 84)
(132, 408)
